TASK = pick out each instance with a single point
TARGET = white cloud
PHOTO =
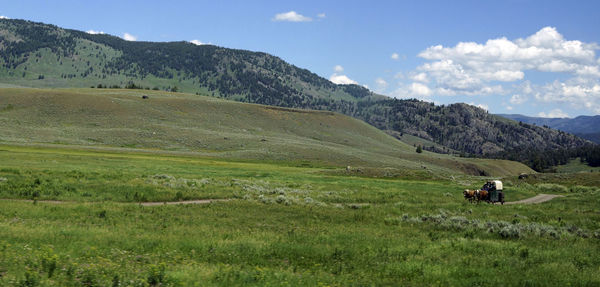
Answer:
(3, 17)
(517, 99)
(291, 16)
(321, 15)
(577, 92)
(380, 84)
(341, 79)
(129, 37)
(395, 56)
(94, 32)
(556, 113)
(413, 90)
(420, 90)
(481, 106)
(469, 66)
(526, 88)
(509, 108)
(420, 77)
(197, 42)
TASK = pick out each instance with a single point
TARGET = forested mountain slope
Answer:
(587, 127)
(41, 55)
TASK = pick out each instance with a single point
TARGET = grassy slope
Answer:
(575, 165)
(291, 225)
(214, 127)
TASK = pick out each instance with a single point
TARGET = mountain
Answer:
(587, 127)
(156, 121)
(40, 55)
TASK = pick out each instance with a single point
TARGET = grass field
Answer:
(575, 165)
(284, 225)
(217, 128)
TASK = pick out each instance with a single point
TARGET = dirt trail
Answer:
(197, 201)
(536, 199)
(532, 200)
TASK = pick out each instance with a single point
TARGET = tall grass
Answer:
(283, 226)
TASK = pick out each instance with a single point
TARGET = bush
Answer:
(582, 189)
(156, 274)
(510, 231)
(551, 187)
(31, 279)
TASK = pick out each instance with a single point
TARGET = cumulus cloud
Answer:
(517, 99)
(197, 42)
(556, 113)
(577, 92)
(481, 106)
(321, 15)
(94, 32)
(129, 37)
(420, 77)
(504, 60)
(380, 84)
(341, 79)
(413, 90)
(420, 90)
(291, 16)
(471, 68)
(395, 56)
(3, 17)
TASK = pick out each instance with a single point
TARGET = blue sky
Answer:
(537, 58)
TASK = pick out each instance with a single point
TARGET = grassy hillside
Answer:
(41, 55)
(214, 127)
(283, 225)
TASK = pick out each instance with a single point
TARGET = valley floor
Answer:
(281, 224)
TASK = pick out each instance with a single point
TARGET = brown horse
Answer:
(482, 194)
(470, 194)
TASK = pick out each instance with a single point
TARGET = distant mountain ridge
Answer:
(587, 127)
(41, 55)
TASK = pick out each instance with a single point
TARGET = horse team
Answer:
(478, 195)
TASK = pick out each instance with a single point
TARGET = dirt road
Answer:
(198, 201)
(536, 199)
(532, 200)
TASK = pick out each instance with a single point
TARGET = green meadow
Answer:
(300, 198)
(282, 224)
(217, 128)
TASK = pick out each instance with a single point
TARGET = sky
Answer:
(537, 58)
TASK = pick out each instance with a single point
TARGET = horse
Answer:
(469, 194)
(482, 194)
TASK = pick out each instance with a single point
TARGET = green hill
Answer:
(41, 55)
(214, 127)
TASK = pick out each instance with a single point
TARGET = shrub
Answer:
(281, 199)
(551, 187)
(156, 274)
(31, 279)
(510, 231)
(582, 189)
